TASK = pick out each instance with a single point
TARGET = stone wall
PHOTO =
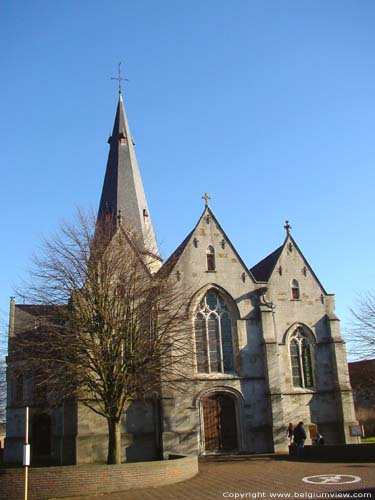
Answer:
(60, 482)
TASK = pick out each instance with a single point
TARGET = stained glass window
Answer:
(213, 335)
(296, 367)
(300, 350)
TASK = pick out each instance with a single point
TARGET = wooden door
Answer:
(219, 418)
(211, 418)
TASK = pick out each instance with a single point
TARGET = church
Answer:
(266, 341)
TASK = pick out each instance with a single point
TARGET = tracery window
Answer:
(213, 335)
(211, 258)
(295, 290)
(301, 350)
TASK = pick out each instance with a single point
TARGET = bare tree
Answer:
(361, 344)
(3, 389)
(361, 334)
(3, 385)
(108, 331)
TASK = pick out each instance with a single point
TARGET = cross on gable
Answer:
(206, 197)
(287, 227)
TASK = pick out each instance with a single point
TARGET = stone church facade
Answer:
(266, 340)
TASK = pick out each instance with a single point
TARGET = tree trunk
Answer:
(114, 441)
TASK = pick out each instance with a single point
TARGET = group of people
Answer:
(297, 436)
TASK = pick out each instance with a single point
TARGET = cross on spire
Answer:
(119, 78)
(287, 227)
(206, 197)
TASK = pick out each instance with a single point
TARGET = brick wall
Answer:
(59, 482)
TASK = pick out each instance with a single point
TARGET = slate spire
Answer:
(123, 189)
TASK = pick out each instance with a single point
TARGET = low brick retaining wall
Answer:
(75, 480)
(355, 452)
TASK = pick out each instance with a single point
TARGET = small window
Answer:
(211, 258)
(295, 290)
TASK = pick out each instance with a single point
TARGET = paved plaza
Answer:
(263, 477)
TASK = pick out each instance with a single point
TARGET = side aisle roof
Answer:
(264, 269)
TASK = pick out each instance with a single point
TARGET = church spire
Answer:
(123, 189)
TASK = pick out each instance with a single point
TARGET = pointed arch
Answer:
(235, 312)
(219, 395)
(235, 393)
(301, 346)
(294, 326)
(214, 315)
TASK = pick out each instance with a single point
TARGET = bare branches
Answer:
(3, 385)
(106, 331)
(361, 334)
(3, 392)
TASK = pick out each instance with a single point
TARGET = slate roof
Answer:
(172, 259)
(37, 310)
(54, 314)
(263, 270)
(122, 187)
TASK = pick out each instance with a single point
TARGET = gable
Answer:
(191, 255)
(292, 265)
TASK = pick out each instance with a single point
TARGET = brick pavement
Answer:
(257, 478)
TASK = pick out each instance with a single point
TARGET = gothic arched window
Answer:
(213, 335)
(300, 349)
(295, 290)
(211, 258)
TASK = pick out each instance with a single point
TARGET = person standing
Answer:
(299, 438)
(290, 433)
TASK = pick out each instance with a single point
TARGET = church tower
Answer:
(265, 347)
(123, 195)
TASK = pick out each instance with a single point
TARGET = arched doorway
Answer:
(220, 428)
(41, 435)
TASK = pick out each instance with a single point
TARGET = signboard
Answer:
(26, 454)
(355, 430)
(313, 431)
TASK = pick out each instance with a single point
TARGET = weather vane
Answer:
(119, 78)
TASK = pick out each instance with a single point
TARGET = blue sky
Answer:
(267, 105)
